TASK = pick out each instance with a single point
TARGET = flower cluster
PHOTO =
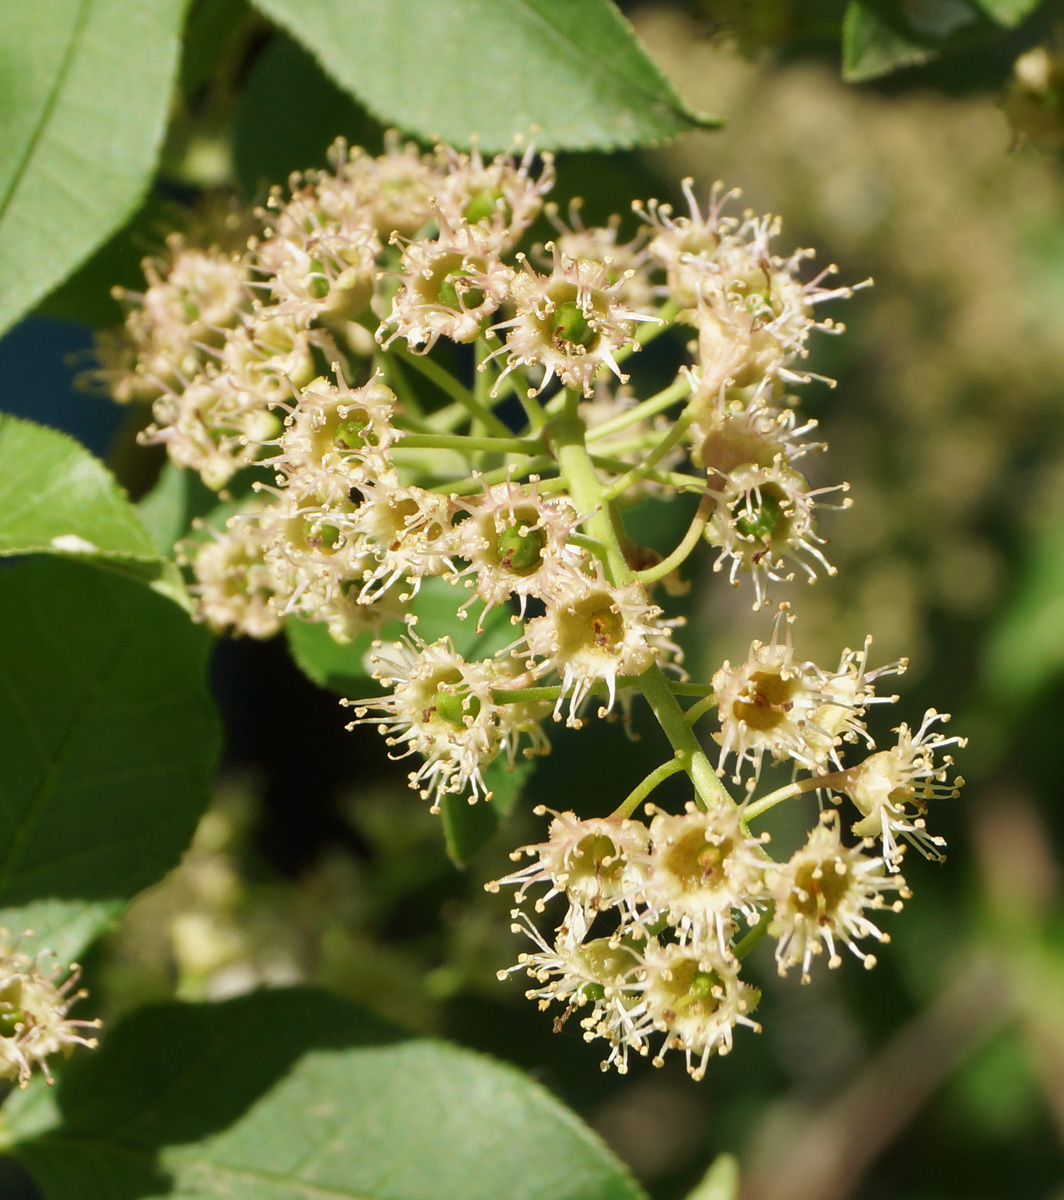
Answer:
(34, 1025)
(658, 916)
(415, 408)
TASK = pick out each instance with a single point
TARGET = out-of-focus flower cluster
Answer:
(34, 1002)
(296, 355)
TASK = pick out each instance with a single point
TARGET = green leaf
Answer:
(56, 498)
(871, 47)
(339, 669)
(880, 36)
(86, 94)
(289, 114)
(438, 608)
(168, 510)
(454, 68)
(296, 1095)
(720, 1182)
(110, 738)
(1024, 649)
(1008, 12)
(468, 827)
(342, 669)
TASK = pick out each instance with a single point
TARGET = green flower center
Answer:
(484, 205)
(568, 324)
(759, 521)
(520, 549)
(451, 296)
(353, 433)
(320, 535)
(318, 283)
(454, 707)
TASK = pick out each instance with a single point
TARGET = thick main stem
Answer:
(566, 437)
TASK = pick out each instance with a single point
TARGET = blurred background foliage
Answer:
(897, 138)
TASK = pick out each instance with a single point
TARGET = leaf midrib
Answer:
(46, 112)
(671, 97)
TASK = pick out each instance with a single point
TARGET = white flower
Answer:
(696, 998)
(335, 438)
(596, 862)
(211, 425)
(501, 195)
(891, 789)
(764, 516)
(449, 287)
(570, 322)
(605, 632)
(235, 588)
(442, 708)
(627, 261)
(598, 979)
(517, 544)
(33, 1015)
(319, 256)
(823, 896)
(393, 191)
(405, 530)
(703, 869)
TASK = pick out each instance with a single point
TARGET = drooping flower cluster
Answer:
(34, 1002)
(658, 917)
(417, 412)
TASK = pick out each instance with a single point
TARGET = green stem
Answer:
(648, 408)
(671, 718)
(745, 944)
(565, 435)
(620, 486)
(701, 708)
(589, 543)
(691, 689)
(617, 466)
(447, 384)
(481, 379)
(688, 543)
(813, 783)
(640, 792)
(530, 695)
(458, 441)
(476, 483)
(397, 377)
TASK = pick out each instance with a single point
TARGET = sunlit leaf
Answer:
(571, 69)
(721, 1181)
(83, 109)
(56, 498)
(296, 1095)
